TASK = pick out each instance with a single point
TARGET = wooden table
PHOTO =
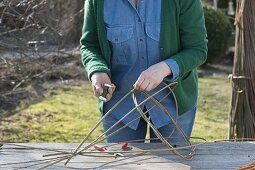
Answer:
(223, 155)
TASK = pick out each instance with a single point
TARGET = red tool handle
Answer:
(100, 148)
(124, 146)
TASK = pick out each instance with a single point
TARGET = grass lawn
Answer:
(66, 114)
(213, 108)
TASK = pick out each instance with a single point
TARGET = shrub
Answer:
(219, 30)
(222, 3)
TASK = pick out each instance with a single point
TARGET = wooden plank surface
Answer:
(224, 155)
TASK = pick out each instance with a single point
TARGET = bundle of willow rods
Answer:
(84, 149)
(242, 113)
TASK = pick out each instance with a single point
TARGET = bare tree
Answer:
(35, 37)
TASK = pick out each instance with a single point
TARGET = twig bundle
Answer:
(242, 113)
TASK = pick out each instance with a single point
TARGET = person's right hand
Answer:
(98, 80)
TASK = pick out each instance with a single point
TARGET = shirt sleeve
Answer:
(174, 68)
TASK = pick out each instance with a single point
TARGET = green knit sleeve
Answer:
(193, 36)
(91, 54)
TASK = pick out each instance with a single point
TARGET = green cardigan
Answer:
(182, 38)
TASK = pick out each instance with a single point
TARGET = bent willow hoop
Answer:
(93, 150)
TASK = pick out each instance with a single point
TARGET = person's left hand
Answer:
(152, 77)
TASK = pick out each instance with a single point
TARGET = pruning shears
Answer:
(105, 92)
(124, 147)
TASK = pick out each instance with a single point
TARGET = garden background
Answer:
(44, 92)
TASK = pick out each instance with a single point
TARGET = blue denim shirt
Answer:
(133, 34)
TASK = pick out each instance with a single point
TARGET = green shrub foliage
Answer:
(219, 31)
(222, 3)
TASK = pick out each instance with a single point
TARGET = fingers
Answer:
(99, 79)
(150, 87)
(112, 89)
(139, 82)
(98, 89)
(147, 86)
(110, 92)
(146, 82)
(144, 85)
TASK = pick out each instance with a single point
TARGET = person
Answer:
(140, 44)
